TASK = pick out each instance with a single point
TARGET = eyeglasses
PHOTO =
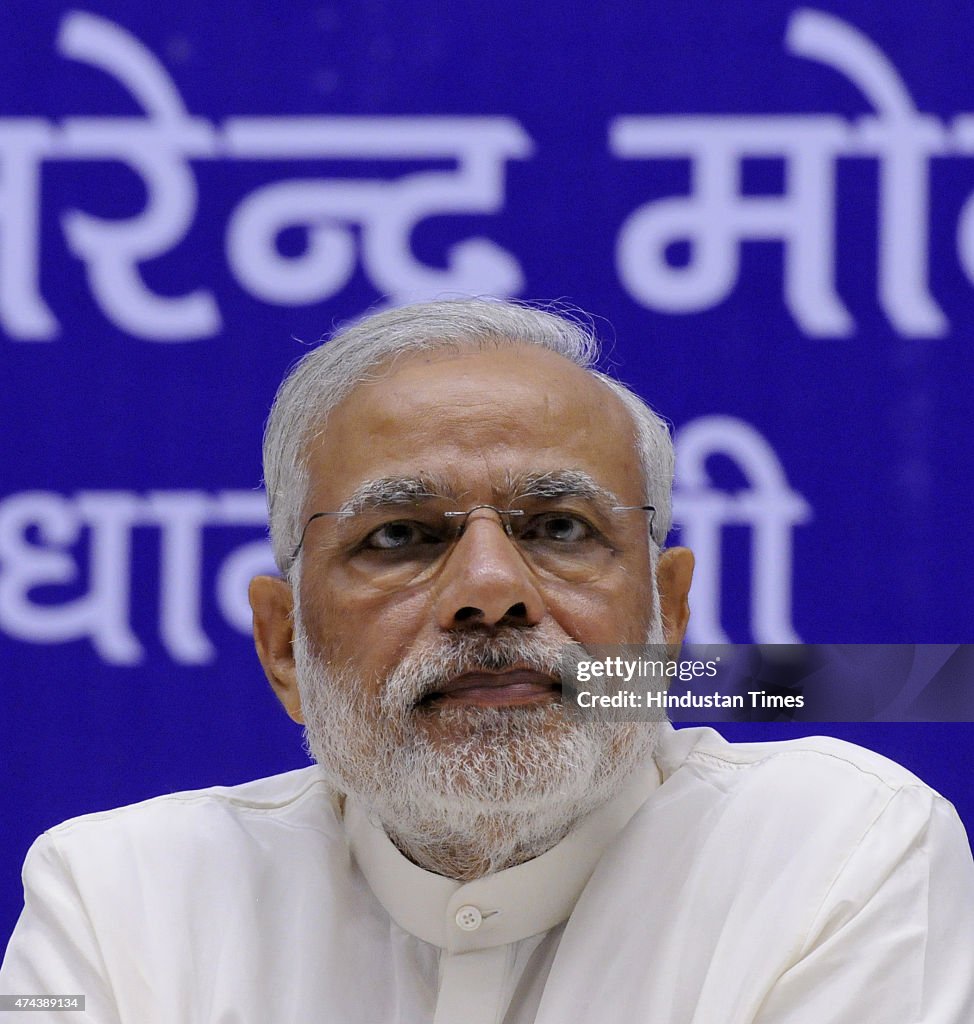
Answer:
(575, 539)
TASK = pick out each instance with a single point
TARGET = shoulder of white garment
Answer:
(797, 881)
(203, 830)
(107, 894)
(808, 755)
(817, 798)
(274, 795)
(214, 836)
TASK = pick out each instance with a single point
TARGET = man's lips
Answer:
(494, 689)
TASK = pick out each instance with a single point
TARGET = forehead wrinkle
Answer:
(397, 490)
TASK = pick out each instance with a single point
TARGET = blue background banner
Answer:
(768, 209)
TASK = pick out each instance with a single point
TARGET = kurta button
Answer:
(468, 918)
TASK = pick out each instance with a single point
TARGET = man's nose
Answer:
(485, 580)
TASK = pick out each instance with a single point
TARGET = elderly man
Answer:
(456, 498)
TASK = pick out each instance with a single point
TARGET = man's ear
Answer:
(674, 572)
(273, 606)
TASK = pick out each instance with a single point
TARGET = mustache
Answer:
(426, 670)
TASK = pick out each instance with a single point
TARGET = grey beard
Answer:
(493, 787)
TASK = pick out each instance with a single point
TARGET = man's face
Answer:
(482, 422)
(426, 671)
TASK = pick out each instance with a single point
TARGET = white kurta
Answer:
(808, 882)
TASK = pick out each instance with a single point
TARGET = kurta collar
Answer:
(501, 908)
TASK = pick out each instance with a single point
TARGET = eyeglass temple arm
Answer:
(311, 519)
(641, 508)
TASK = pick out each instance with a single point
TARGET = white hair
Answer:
(323, 377)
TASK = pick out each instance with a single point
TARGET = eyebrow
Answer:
(561, 483)
(390, 491)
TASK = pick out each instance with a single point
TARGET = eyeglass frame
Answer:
(504, 514)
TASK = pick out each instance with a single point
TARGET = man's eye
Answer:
(558, 528)
(400, 535)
